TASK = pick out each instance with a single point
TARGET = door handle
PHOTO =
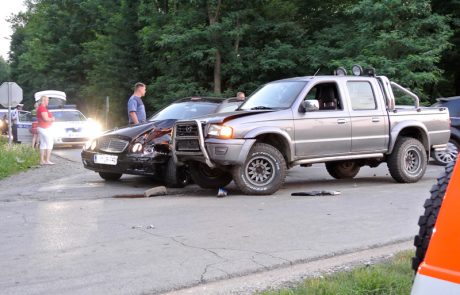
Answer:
(341, 121)
(375, 120)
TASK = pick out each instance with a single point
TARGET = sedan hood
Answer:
(137, 130)
(223, 117)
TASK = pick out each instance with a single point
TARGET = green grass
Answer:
(18, 158)
(393, 277)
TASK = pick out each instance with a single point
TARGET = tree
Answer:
(4, 70)
(450, 60)
(406, 43)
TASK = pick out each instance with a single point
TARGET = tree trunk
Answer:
(213, 14)
(217, 73)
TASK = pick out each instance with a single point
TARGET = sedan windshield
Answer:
(72, 116)
(277, 95)
(185, 110)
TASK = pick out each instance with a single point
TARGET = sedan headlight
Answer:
(220, 131)
(90, 145)
(137, 147)
(93, 128)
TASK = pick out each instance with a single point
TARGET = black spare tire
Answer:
(427, 221)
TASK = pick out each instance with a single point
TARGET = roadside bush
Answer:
(18, 158)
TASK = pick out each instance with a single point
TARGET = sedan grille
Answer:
(112, 145)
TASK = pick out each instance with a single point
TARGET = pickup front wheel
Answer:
(407, 163)
(263, 172)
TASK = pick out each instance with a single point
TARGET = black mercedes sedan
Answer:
(144, 149)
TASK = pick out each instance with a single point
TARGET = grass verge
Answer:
(18, 158)
(392, 277)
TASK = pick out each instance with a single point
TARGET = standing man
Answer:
(15, 121)
(136, 108)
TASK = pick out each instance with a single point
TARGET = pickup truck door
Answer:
(323, 133)
(369, 119)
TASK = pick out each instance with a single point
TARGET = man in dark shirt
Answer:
(136, 108)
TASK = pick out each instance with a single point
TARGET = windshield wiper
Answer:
(261, 108)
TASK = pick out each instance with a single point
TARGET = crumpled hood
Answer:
(223, 117)
(136, 130)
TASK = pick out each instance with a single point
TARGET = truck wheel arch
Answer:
(277, 138)
(410, 129)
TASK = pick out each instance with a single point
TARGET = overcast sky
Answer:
(7, 7)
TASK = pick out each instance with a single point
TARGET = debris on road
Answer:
(317, 193)
(151, 226)
(221, 193)
(155, 191)
(129, 196)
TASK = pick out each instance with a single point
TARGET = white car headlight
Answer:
(220, 131)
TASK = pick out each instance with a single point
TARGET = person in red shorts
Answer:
(45, 119)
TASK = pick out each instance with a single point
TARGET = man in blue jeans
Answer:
(136, 108)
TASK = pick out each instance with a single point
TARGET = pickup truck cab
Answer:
(343, 121)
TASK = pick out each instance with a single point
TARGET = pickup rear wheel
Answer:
(263, 172)
(110, 176)
(342, 169)
(429, 217)
(207, 177)
(408, 161)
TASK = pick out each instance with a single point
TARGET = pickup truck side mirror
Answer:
(310, 105)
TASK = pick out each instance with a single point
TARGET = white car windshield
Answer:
(277, 95)
(68, 116)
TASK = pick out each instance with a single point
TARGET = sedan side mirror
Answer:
(310, 105)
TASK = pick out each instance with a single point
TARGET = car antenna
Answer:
(316, 72)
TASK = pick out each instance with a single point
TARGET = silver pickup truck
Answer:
(345, 122)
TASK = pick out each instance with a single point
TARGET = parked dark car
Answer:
(144, 149)
(451, 153)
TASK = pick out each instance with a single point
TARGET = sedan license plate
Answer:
(105, 159)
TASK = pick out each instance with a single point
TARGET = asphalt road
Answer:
(69, 232)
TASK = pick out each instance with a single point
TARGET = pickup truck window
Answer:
(279, 95)
(327, 96)
(361, 95)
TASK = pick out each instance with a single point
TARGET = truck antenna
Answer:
(317, 72)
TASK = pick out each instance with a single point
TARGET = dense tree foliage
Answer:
(4, 70)
(450, 61)
(97, 48)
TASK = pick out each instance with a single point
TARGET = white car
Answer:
(71, 127)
